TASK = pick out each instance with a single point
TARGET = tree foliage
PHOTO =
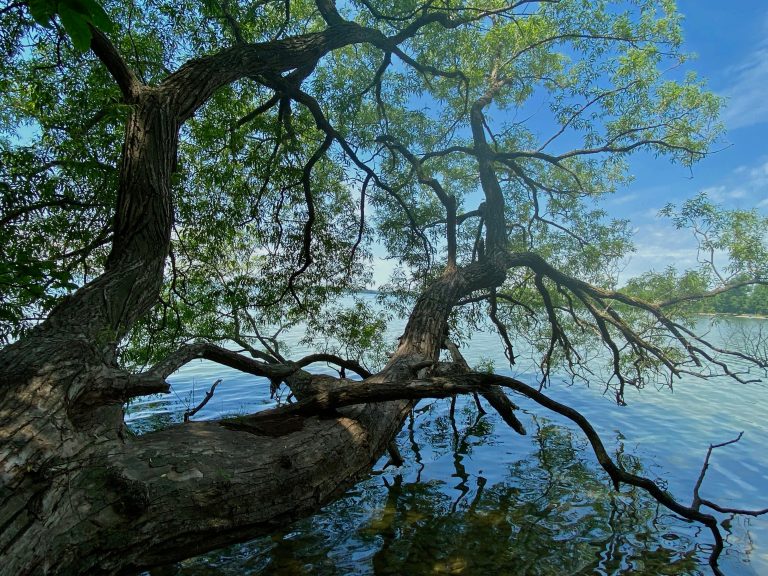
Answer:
(211, 173)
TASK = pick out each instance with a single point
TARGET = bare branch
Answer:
(509, 351)
(340, 394)
(208, 395)
(333, 359)
(709, 294)
(208, 351)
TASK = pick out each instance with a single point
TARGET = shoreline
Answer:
(733, 315)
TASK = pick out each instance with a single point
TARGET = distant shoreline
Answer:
(745, 315)
(733, 315)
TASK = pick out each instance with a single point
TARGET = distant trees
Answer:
(744, 300)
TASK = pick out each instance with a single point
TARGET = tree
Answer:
(206, 172)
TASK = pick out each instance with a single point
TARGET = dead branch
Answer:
(208, 395)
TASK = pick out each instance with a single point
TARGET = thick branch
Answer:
(222, 356)
(126, 79)
(111, 386)
(194, 83)
(496, 235)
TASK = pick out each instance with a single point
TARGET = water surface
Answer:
(473, 497)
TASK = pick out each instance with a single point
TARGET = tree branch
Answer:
(715, 292)
(447, 200)
(126, 79)
(306, 251)
(345, 394)
(333, 359)
(208, 395)
(208, 351)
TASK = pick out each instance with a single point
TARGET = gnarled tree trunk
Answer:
(79, 495)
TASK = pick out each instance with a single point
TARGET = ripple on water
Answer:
(481, 499)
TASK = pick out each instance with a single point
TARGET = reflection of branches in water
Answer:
(509, 524)
(500, 526)
(414, 445)
(386, 525)
(460, 448)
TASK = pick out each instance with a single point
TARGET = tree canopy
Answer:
(182, 179)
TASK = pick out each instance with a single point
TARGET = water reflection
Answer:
(543, 508)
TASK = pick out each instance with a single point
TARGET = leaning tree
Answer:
(181, 179)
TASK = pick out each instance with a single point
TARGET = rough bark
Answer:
(78, 494)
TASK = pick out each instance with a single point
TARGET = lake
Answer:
(473, 497)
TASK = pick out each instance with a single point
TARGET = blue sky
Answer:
(731, 43)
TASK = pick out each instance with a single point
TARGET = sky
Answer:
(730, 40)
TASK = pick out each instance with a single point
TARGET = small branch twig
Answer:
(208, 395)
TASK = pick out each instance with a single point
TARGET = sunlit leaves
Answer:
(731, 242)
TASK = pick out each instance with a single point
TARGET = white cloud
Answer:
(620, 199)
(759, 175)
(715, 193)
(745, 187)
(659, 245)
(747, 104)
(724, 194)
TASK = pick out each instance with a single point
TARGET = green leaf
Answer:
(98, 17)
(76, 25)
(42, 11)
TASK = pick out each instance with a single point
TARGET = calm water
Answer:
(475, 498)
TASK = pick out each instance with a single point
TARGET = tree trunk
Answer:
(80, 495)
